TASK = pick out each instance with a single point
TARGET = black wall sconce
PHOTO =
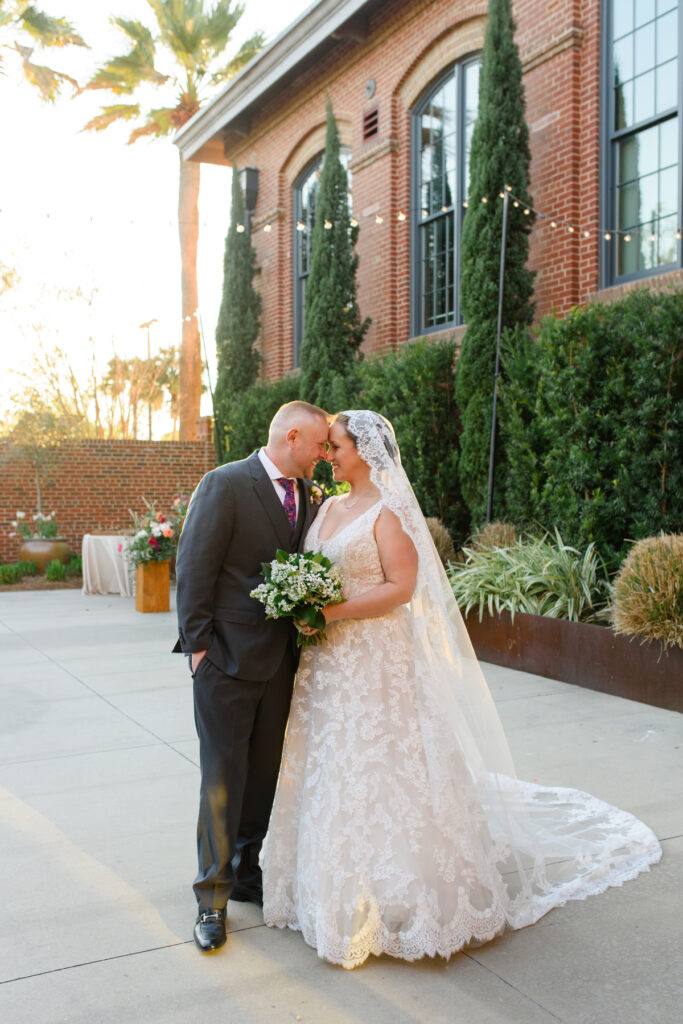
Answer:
(249, 183)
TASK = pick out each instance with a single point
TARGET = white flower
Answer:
(15, 523)
(21, 515)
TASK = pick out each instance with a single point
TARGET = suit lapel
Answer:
(272, 505)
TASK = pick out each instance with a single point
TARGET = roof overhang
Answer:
(227, 118)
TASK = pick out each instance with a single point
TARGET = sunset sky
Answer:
(89, 223)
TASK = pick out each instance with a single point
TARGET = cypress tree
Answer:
(499, 156)
(238, 322)
(333, 331)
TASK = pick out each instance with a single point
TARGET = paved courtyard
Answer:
(98, 792)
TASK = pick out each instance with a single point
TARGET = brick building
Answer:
(603, 94)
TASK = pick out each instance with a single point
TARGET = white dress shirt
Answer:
(273, 472)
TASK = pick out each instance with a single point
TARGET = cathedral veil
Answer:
(550, 844)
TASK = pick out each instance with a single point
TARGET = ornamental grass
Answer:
(442, 539)
(494, 535)
(647, 597)
(539, 576)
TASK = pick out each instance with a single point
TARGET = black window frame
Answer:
(610, 139)
(457, 71)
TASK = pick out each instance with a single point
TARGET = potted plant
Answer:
(151, 549)
(40, 542)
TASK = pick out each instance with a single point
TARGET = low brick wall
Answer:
(91, 485)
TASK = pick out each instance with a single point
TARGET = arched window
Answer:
(442, 126)
(641, 183)
(305, 195)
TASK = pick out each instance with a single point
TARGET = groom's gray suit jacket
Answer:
(235, 522)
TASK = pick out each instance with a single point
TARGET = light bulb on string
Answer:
(401, 215)
(586, 234)
(527, 211)
(678, 235)
(328, 225)
(378, 219)
(627, 237)
(465, 204)
(570, 229)
(516, 204)
(553, 223)
(267, 228)
(484, 199)
(354, 222)
(607, 236)
(300, 226)
(240, 229)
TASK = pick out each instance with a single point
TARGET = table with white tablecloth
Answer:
(105, 568)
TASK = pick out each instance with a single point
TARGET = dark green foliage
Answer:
(414, 388)
(599, 439)
(238, 321)
(10, 573)
(251, 413)
(55, 571)
(75, 566)
(499, 156)
(333, 328)
(27, 568)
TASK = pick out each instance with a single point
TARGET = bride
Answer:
(398, 825)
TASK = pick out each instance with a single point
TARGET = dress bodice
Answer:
(353, 548)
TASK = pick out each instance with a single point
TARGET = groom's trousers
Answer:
(241, 726)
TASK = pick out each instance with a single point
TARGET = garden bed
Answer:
(582, 654)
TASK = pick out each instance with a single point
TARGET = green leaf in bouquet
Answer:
(311, 616)
(266, 570)
(282, 556)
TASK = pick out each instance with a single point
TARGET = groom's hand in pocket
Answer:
(196, 658)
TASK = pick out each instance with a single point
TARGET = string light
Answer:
(553, 222)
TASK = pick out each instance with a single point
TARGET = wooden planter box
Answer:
(153, 587)
(583, 654)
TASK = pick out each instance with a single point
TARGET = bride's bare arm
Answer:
(399, 562)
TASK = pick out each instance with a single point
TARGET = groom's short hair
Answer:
(292, 412)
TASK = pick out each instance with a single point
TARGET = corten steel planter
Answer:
(583, 654)
(153, 587)
(42, 550)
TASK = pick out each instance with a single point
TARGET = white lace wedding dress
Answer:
(381, 839)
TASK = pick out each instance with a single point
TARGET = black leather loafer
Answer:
(209, 931)
(248, 894)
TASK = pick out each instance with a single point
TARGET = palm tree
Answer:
(195, 37)
(22, 19)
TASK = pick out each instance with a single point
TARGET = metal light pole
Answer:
(501, 289)
(147, 325)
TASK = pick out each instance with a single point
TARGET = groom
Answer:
(242, 664)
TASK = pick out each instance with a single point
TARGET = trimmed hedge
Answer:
(592, 412)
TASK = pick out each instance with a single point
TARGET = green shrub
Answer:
(647, 597)
(27, 568)
(10, 574)
(251, 413)
(414, 388)
(55, 571)
(75, 566)
(537, 575)
(603, 459)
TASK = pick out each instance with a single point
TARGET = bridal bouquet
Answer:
(300, 586)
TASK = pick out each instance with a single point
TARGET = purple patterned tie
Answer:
(290, 500)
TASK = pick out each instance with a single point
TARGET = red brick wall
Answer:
(91, 485)
(410, 42)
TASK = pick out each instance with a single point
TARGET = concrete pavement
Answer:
(98, 792)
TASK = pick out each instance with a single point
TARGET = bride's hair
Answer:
(384, 428)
